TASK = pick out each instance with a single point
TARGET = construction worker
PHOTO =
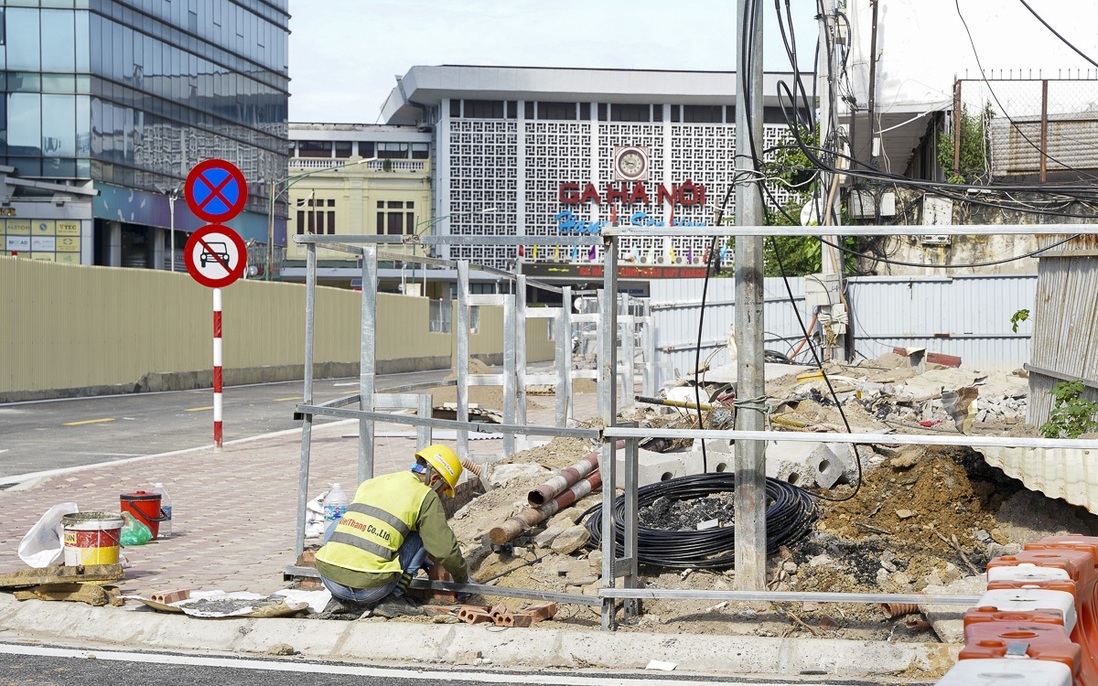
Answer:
(395, 521)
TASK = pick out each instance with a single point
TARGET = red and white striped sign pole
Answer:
(215, 254)
(217, 366)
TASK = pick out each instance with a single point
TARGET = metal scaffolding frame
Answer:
(608, 374)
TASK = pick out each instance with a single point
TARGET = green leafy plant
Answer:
(1019, 316)
(1072, 415)
(974, 145)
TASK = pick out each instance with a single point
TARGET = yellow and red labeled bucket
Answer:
(92, 538)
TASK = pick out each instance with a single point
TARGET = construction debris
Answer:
(501, 616)
(92, 594)
(61, 574)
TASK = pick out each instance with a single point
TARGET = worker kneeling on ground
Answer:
(395, 521)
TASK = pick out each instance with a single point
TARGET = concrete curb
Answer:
(378, 641)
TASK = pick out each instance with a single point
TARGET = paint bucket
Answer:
(145, 508)
(91, 538)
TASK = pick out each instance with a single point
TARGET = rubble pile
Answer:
(908, 520)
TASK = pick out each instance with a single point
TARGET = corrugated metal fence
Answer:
(965, 316)
(1065, 337)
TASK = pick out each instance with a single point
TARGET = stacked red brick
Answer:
(1038, 622)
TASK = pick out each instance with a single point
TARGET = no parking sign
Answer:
(216, 191)
(216, 255)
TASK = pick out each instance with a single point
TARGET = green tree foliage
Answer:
(974, 144)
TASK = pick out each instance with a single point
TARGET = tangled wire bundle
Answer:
(789, 516)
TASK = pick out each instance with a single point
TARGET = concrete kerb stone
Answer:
(542, 647)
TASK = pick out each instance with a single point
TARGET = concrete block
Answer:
(655, 467)
(806, 463)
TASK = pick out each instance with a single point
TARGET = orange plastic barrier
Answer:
(984, 640)
(1026, 614)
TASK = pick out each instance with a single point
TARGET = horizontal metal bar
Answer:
(1052, 374)
(789, 596)
(682, 304)
(562, 240)
(451, 424)
(494, 300)
(897, 230)
(322, 238)
(941, 336)
(616, 432)
(509, 592)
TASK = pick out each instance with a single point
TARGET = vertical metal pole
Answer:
(629, 356)
(461, 364)
(607, 366)
(1044, 130)
(306, 398)
(367, 363)
(957, 126)
(171, 222)
(750, 534)
(607, 336)
(631, 606)
(509, 389)
(423, 433)
(270, 228)
(564, 359)
(520, 355)
(648, 350)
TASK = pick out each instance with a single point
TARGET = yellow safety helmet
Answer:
(445, 461)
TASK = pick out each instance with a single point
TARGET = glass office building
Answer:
(108, 104)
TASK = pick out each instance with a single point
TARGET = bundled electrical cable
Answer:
(789, 516)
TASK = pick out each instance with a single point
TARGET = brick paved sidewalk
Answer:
(233, 509)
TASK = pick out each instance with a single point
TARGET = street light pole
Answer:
(278, 188)
(172, 196)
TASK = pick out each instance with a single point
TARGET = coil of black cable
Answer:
(790, 514)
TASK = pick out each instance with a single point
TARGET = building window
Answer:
(630, 113)
(395, 217)
(342, 149)
(421, 151)
(313, 218)
(365, 149)
(314, 149)
(702, 114)
(392, 151)
(557, 110)
(483, 109)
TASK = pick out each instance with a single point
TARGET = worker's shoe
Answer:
(342, 609)
(397, 606)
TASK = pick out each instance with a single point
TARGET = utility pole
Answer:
(750, 456)
(832, 317)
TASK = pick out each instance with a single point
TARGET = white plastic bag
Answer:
(44, 544)
(314, 517)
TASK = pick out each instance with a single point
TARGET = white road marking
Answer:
(355, 670)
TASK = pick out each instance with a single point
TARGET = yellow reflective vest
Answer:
(383, 513)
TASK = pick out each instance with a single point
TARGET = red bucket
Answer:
(145, 508)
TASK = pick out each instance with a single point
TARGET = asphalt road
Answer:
(34, 665)
(74, 432)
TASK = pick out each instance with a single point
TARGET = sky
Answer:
(345, 54)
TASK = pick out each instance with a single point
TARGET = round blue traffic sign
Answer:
(216, 191)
